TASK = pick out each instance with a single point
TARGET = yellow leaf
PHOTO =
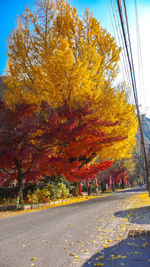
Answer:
(72, 254)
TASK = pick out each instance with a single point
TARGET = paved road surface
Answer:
(57, 236)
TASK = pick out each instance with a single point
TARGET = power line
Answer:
(119, 39)
(124, 56)
(130, 53)
(139, 52)
(132, 72)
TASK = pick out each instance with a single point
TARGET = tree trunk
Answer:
(123, 183)
(20, 193)
(20, 181)
(20, 184)
(113, 188)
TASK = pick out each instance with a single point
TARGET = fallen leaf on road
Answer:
(33, 259)
(45, 241)
(77, 257)
(72, 254)
(114, 257)
(93, 241)
(101, 258)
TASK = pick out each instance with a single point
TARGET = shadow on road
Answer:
(136, 215)
(132, 190)
(130, 252)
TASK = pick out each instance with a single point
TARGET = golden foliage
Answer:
(55, 55)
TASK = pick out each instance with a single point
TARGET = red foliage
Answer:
(16, 140)
(57, 141)
(115, 175)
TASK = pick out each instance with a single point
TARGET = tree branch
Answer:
(28, 169)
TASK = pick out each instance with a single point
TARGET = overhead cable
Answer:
(132, 72)
(139, 52)
(124, 56)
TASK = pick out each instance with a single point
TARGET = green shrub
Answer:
(42, 195)
(52, 191)
(31, 198)
(63, 190)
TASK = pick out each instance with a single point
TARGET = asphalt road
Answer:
(58, 236)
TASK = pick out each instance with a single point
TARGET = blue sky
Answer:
(11, 8)
(9, 11)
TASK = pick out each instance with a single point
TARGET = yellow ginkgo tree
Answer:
(54, 55)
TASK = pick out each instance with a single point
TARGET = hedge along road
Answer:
(63, 235)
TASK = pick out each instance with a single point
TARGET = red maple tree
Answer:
(79, 140)
(58, 141)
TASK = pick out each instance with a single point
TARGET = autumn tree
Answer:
(17, 149)
(51, 141)
(79, 141)
(56, 56)
(121, 172)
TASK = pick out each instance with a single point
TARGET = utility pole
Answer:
(132, 72)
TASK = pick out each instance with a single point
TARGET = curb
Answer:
(40, 205)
